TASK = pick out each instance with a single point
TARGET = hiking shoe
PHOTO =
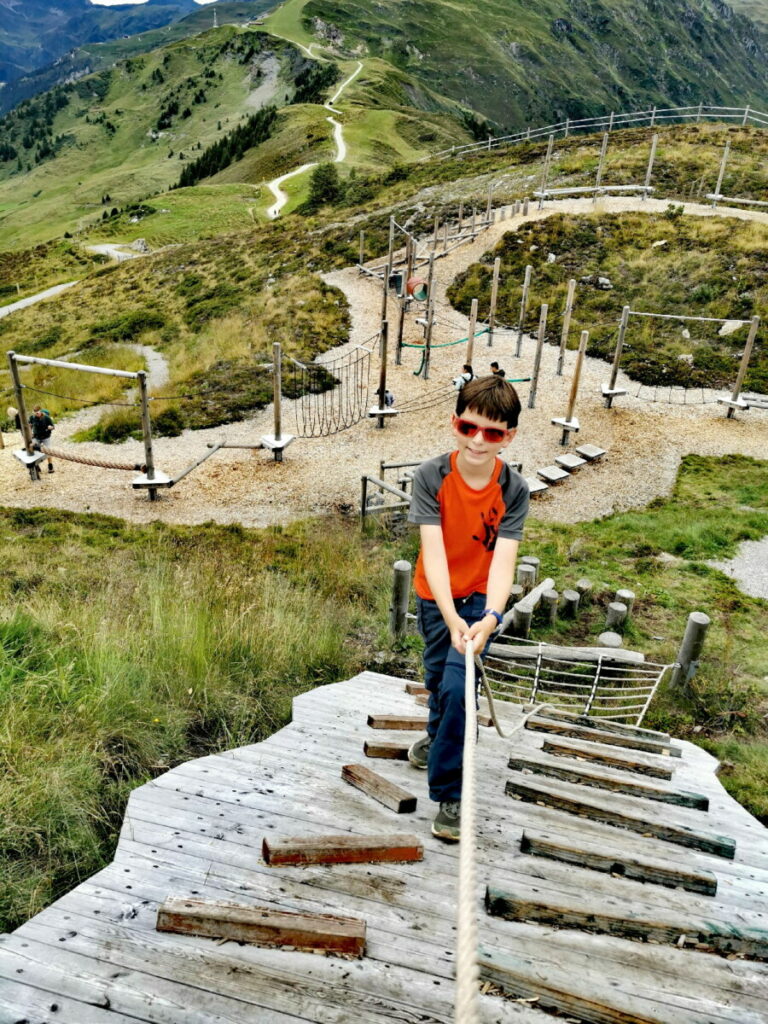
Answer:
(418, 752)
(447, 824)
(50, 467)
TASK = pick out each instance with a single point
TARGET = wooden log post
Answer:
(610, 639)
(401, 593)
(146, 430)
(747, 354)
(609, 393)
(362, 251)
(584, 587)
(649, 168)
(382, 389)
(516, 593)
(721, 173)
(489, 204)
(428, 338)
(435, 232)
(653, 117)
(566, 325)
(471, 335)
(525, 206)
(537, 358)
(523, 309)
(521, 621)
(616, 615)
(600, 165)
(569, 604)
(535, 562)
(18, 391)
(626, 597)
(569, 422)
(461, 217)
(550, 600)
(526, 577)
(545, 171)
(445, 236)
(385, 290)
(746, 116)
(494, 300)
(690, 649)
(474, 221)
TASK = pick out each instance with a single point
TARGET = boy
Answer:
(467, 374)
(42, 427)
(497, 371)
(470, 507)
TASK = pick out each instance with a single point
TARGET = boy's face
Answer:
(478, 451)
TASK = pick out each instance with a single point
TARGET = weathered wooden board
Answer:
(381, 789)
(415, 688)
(610, 739)
(21, 1002)
(337, 849)
(615, 917)
(584, 854)
(604, 755)
(416, 723)
(606, 726)
(263, 926)
(588, 997)
(384, 749)
(596, 780)
(551, 796)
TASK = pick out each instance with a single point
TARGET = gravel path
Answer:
(645, 441)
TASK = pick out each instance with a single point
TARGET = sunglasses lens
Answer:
(493, 435)
(467, 429)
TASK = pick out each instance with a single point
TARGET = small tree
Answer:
(324, 185)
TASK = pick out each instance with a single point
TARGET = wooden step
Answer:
(595, 857)
(605, 725)
(554, 769)
(542, 723)
(414, 723)
(381, 789)
(536, 486)
(590, 452)
(380, 748)
(611, 812)
(569, 462)
(628, 920)
(553, 475)
(343, 849)
(639, 763)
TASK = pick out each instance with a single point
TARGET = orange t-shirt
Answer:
(471, 520)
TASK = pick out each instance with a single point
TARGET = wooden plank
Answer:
(601, 723)
(603, 755)
(595, 857)
(587, 995)
(341, 849)
(610, 739)
(621, 918)
(585, 777)
(24, 1004)
(262, 926)
(422, 699)
(381, 748)
(381, 789)
(415, 688)
(680, 835)
(413, 723)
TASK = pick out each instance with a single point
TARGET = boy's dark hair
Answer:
(494, 364)
(492, 397)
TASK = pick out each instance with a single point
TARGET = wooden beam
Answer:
(344, 849)
(604, 724)
(262, 926)
(415, 688)
(381, 789)
(639, 763)
(410, 722)
(585, 777)
(379, 748)
(611, 739)
(743, 934)
(550, 795)
(584, 854)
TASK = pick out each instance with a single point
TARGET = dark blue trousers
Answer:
(444, 670)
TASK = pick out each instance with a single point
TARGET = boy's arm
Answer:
(435, 564)
(501, 576)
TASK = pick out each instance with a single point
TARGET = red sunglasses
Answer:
(493, 435)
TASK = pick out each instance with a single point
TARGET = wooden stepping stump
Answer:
(536, 486)
(391, 751)
(569, 462)
(627, 919)
(585, 777)
(590, 452)
(343, 849)
(594, 856)
(381, 789)
(262, 926)
(406, 722)
(550, 795)
(611, 739)
(415, 688)
(640, 764)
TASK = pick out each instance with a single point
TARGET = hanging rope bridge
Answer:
(332, 396)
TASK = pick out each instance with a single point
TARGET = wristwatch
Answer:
(490, 611)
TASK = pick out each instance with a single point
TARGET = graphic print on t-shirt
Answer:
(490, 529)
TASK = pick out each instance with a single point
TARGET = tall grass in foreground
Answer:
(148, 649)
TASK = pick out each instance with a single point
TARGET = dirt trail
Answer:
(645, 441)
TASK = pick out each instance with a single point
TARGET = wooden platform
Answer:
(95, 957)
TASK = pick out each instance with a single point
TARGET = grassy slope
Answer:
(523, 64)
(198, 638)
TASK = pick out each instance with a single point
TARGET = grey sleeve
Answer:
(427, 481)
(517, 497)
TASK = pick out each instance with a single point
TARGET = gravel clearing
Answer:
(645, 440)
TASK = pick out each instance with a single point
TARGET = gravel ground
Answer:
(749, 567)
(645, 440)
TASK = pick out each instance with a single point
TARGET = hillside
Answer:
(519, 64)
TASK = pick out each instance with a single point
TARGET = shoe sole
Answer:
(417, 764)
(449, 836)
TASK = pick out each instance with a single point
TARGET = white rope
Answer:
(467, 970)
(700, 319)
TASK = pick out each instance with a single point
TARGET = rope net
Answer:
(329, 397)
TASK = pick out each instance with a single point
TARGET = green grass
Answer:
(287, 23)
(197, 638)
